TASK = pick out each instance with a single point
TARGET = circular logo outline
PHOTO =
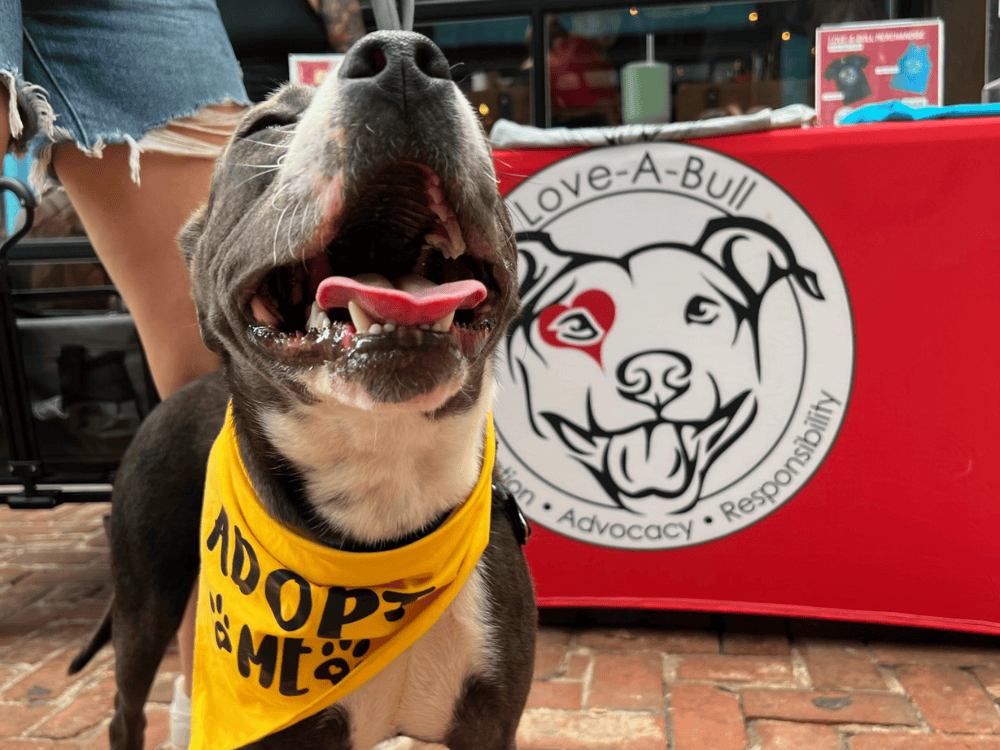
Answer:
(624, 539)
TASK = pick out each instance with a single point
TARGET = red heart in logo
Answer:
(583, 324)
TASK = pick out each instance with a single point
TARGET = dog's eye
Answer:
(576, 327)
(701, 310)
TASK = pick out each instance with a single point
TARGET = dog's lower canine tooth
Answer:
(362, 323)
(444, 325)
(318, 318)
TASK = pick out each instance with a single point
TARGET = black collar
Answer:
(349, 545)
(501, 495)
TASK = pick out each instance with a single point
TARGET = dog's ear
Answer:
(188, 240)
(754, 255)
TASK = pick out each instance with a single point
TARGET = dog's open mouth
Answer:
(397, 275)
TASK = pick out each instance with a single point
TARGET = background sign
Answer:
(865, 63)
(311, 69)
(676, 382)
(898, 521)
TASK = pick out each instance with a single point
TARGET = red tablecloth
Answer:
(901, 522)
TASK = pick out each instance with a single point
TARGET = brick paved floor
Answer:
(603, 680)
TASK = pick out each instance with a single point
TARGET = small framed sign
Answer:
(312, 69)
(865, 63)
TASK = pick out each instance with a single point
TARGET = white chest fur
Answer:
(378, 475)
(416, 694)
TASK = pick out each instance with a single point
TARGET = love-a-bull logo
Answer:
(685, 356)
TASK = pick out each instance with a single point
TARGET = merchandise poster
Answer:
(865, 63)
(312, 69)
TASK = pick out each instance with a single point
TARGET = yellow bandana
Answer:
(286, 627)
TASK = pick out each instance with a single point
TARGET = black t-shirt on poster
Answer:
(849, 76)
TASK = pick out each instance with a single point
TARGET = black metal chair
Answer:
(74, 384)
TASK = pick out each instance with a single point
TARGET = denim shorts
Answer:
(97, 72)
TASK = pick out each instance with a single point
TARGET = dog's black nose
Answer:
(399, 62)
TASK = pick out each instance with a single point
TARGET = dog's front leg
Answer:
(478, 726)
(328, 730)
(487, 714)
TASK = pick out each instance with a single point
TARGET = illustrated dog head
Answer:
(663, 346)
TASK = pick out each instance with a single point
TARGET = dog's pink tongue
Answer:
(408, 306)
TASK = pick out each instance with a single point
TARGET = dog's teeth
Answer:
(451, 246)
(318, 319)
(436, 194)
(436, 241)
(362, 323)
(444, 324)
(374, 329)
(455, 234)
(388, 327)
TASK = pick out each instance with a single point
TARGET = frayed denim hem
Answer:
(33, 119)
(166, 139)
(30, 112)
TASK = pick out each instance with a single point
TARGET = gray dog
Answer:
(355, 269)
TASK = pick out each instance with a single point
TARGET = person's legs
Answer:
(92, 84)
(133, 229)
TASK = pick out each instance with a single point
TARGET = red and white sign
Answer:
(311, 69)
(674, 383)
(738, 388)
(866, 63)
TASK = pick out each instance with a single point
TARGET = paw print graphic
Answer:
(222, 639)
(336, 669)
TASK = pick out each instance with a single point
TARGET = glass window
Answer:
(704, 59)
(493, 64)
(700, 60)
